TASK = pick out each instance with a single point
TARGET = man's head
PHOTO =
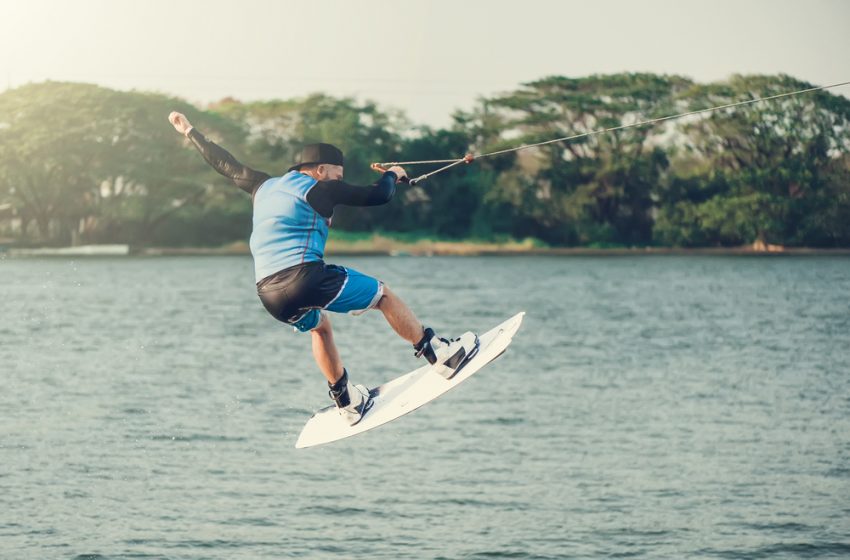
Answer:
(322, 171)
(321, 161)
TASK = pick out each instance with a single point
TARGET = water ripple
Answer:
(658, 407)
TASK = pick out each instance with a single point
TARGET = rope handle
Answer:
(381, 169)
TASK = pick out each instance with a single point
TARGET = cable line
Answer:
(469, 158)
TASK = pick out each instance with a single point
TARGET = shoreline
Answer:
(380, 246)
(486, 252)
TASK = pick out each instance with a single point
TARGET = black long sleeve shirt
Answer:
(323, 197)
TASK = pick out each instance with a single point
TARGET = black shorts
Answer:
(294, 295)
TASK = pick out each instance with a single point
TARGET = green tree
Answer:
(597, 188)
(81, 163)
(86, 163)
(769, 171)
(277, 130)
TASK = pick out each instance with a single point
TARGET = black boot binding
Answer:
(340, 394)
(454, 363)
(339, 390)
(423, 347)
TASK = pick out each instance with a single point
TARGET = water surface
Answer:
(650, 407)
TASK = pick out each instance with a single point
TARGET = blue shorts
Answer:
(358, 294)
(297, 295)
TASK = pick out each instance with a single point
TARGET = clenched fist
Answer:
(400, 173)
(180, 122)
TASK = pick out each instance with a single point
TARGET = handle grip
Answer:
(404, 179)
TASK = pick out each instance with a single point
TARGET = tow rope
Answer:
(469, 158)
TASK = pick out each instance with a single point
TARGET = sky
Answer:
(426, 58)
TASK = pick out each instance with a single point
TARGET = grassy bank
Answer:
(355, 243)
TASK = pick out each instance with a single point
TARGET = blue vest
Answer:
(287, 231)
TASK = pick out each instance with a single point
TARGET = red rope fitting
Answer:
(468, 158)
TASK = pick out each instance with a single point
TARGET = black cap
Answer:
(318, 153)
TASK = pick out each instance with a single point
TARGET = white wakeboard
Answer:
(406, 393)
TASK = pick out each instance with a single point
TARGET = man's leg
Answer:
(352, 401)
(449, 355)
(362, 292)
(324, 350)
(400, 317)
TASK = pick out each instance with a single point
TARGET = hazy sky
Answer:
(424, 57)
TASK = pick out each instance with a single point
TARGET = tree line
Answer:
(81, 163)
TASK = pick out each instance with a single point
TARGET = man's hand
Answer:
(180, 122)
(399, 172)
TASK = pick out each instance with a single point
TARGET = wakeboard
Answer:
(406, 393)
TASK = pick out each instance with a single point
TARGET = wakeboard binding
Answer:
(447, 356)
(352, 401)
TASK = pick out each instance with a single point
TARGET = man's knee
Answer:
(386, 296)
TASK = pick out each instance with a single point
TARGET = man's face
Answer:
(328, 172)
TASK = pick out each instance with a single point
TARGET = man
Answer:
(290, 226)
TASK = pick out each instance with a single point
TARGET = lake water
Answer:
(650, 407)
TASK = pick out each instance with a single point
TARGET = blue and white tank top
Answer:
(287, 231)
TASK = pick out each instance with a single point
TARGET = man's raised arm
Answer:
(247, 179)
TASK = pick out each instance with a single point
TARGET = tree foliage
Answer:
(82, 163)
(85, 163)
(774, 171)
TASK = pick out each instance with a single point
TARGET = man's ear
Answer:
(321, 170)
